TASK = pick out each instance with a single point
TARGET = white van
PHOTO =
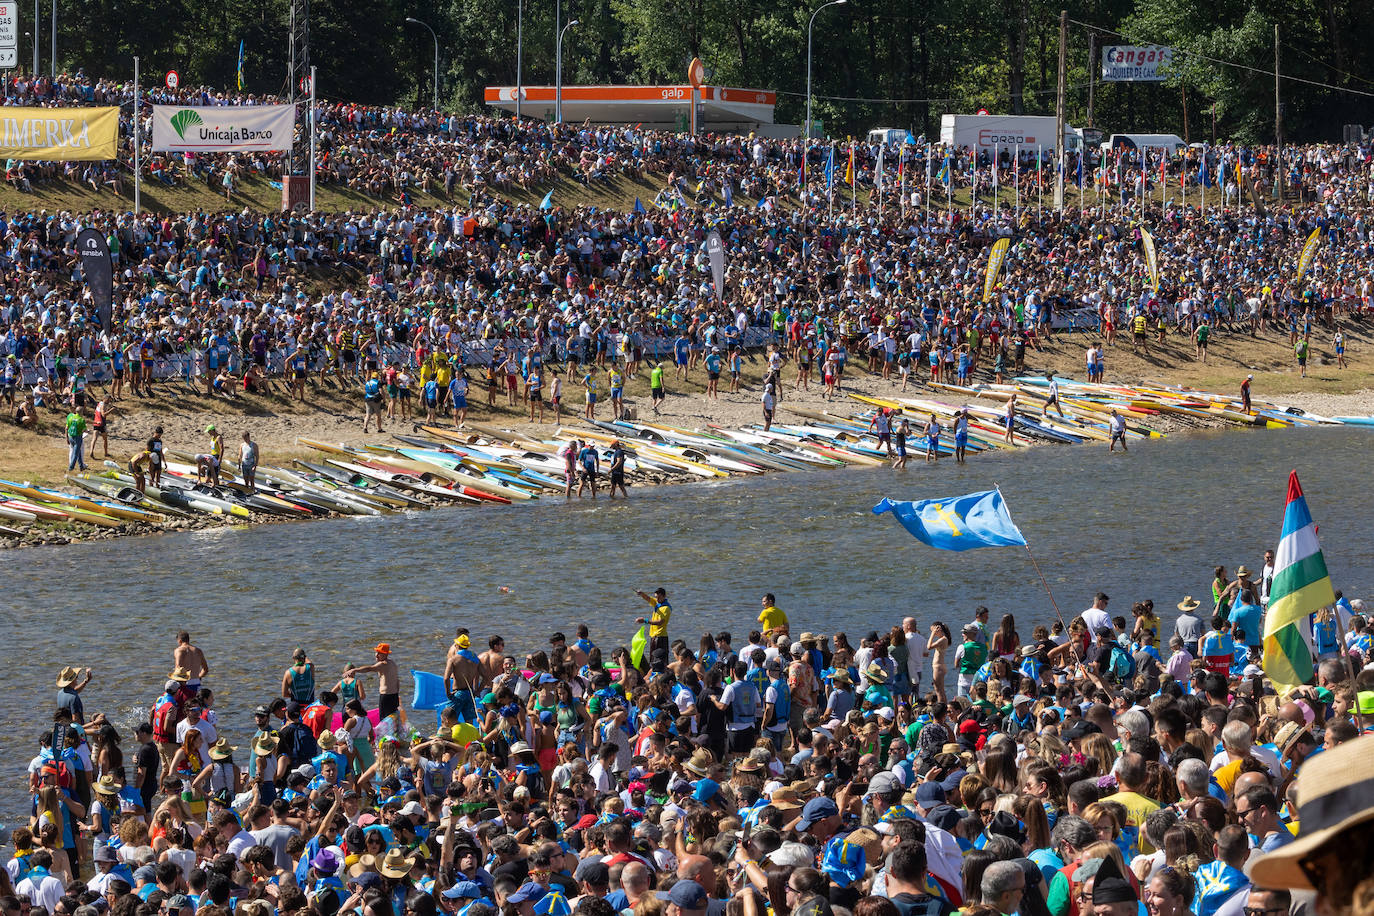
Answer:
(889, 136)
(1171, 142)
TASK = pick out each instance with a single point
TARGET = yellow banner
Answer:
(1309, 251)
(58, 134)
(1151, 260)
(995, 259)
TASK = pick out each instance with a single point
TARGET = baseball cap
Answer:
(464, 889)
(412, 808)
(530, 890)
(930, 794)
(883, 783)
(686, 895)
(817, 809)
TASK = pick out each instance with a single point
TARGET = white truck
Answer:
(1004, 132)
(1171, 142)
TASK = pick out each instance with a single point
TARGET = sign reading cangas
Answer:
(58, 134)
(223, 128)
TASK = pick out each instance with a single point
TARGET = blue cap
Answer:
(464, 889)
(530, 890)
(930, 794)
(686, 895)
(817, 809)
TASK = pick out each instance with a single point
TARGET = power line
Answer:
(842, 98)
(1227, 63)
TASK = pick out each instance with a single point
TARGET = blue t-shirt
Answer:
(1247, 617)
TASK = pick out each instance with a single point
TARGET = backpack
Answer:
(1122, 664)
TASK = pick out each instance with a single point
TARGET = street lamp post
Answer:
(808, 61)
(558, 93)
(519, 52)
(436, 58)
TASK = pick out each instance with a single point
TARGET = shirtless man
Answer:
(389, 688)
(493, 659)
(190, 658)
(462, 675)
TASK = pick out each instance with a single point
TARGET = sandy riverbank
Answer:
(333, 414)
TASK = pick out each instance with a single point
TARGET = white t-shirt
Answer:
(1096, 619)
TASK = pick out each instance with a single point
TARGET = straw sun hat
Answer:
(1335, 792)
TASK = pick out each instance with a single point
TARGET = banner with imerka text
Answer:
(58, 134)
(223, 128)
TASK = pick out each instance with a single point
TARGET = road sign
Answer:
(172, 79)
(9, 58)
(9, 25)
(305, 85)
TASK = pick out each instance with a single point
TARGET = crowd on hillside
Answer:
(1076, 772)
(219, 300)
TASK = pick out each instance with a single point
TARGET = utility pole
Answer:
(1278, 120)
(1092, 74)
(1183, 91)
(1059, 112)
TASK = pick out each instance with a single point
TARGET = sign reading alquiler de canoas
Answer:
(59, 134)
(223, 128)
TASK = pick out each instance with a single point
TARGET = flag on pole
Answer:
(878, 169)
(638, 643)
(830, 170)
(729, 195)
(1301, 586)
(240, 69)
(639, 207)
(1203, 178)
(957, 522)
(547, 202)
(996, 258)
(849, 169)
(1309, 252)
(1151, 259)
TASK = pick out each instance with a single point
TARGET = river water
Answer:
(1151, 524)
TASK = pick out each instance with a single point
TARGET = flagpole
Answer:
(1039, 183)
(1016, 181)
(1043, 581)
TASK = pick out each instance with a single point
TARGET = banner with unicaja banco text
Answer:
(223, 128)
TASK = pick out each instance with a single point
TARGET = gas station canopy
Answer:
(719, 109)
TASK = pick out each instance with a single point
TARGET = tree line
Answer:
(888, 63)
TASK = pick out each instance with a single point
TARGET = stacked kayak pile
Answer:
(482, 464)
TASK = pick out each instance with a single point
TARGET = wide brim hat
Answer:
(67, 676)
(700, 762)
(1335, 792)
(221, 750)
(1189, 603)
(876, 673)
(396, 865)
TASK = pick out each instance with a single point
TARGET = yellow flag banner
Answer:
(996, 257)
(58, 134)
(1309, 251)
(1151, 259)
